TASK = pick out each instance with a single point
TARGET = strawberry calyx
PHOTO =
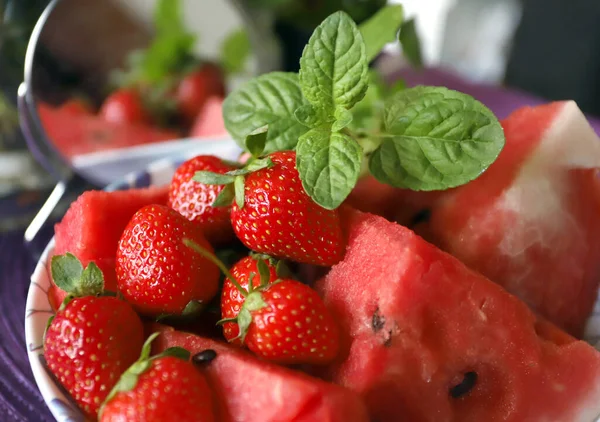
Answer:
(130, 377)
(253, 299)
(234, 180)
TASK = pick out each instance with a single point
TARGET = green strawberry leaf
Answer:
(411, 45)
(333, 67)
(263, 271)
(329, 164)
(210, 178)
(235, 51)
(225, 197)
(66, 271)
(268, 100)
(92, 279)
(255, 143)
(68, 274)
(175, 352)
(238, 184)
(253, 302)
(381, 29)
(435, 139)
(343, 118)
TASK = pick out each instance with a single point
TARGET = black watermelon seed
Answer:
(422, 216)
(204, 357)
(467, 384)
(377, 321)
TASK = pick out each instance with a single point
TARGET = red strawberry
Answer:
(124, 106)
(196, 88)
(194, 199)
(278, 218)
(160, 389)
(92, 340)
(231, 298)
(156, 272)
(285, 322)
(291, 325)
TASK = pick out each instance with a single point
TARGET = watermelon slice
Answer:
(251, 390)
(78, 134)
(430, 340)
(209, 123)
(93, 225)
(531, 222)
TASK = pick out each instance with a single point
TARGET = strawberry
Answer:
(272, 214)
(124, 106)
(92, 339)
(156, 272)
(290, 325)
(231, 298)
(196, 88)
(166, 387)
(194, 199)
(284, 321)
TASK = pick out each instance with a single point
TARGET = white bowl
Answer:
(38, 308)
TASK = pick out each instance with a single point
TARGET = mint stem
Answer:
(197, 248)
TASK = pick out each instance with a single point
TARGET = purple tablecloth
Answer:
(20, 399)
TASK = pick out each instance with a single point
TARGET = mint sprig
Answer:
(339, 116)
(329, 164)
(333, 67)
(381, 28)
(270, 99)
(435, 138)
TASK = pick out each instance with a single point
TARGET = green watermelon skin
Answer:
(250, 390)
(416, 320)
(92, 227)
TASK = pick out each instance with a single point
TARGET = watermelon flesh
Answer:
(250, 390)
(93, 225)
(531, 222)
(209, 123)
(81, 134)
(428, 339)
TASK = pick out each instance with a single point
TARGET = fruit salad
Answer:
(377, 254)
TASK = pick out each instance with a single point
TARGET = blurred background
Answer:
(100, 88)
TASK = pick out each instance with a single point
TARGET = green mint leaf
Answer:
(66, 272)
(310, 116)
(333, 67)
(239, 191)
(235, 51)
(343, 118)
(399, 85)
(436, 139)
(92, 281)
(329, 164)
(255, 143)
(381, 29)
(270, 99)
(367, 115)
(225, 197)
(167, 16)
(210, 178)
(411, 45)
